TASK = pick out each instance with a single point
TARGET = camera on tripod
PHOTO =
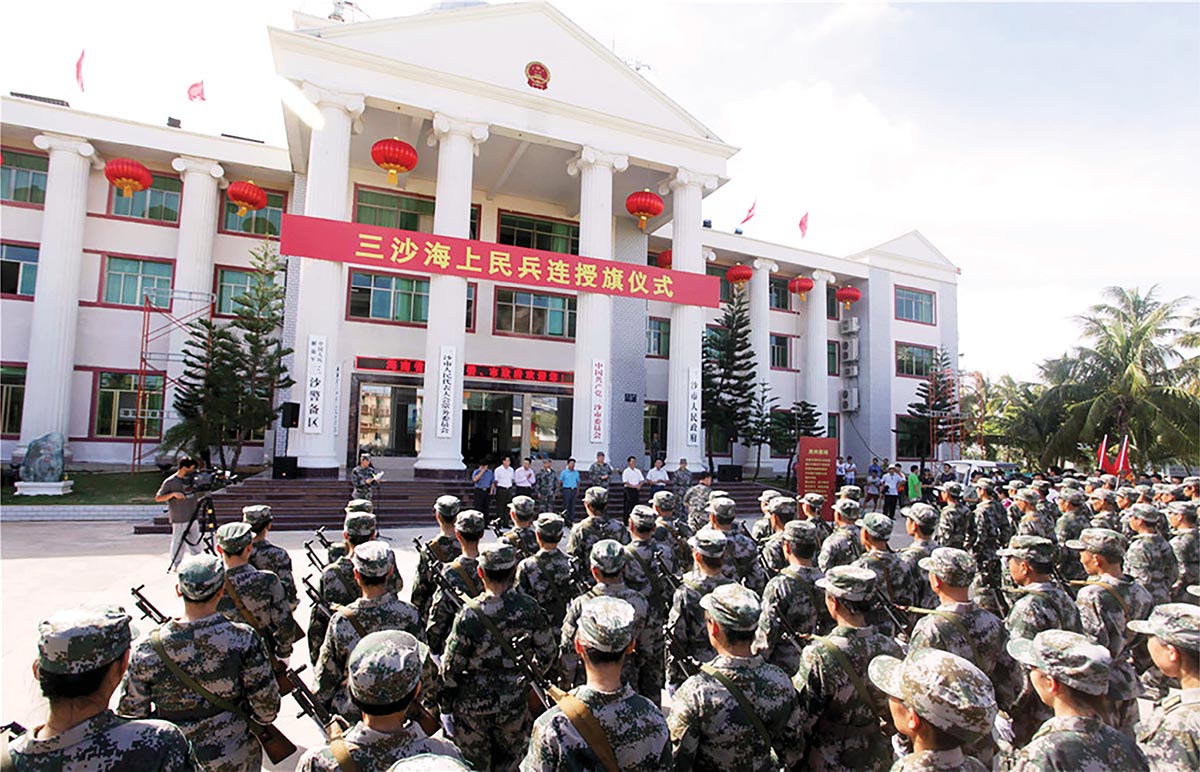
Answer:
(209, 480)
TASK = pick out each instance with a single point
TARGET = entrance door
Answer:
(491, 426)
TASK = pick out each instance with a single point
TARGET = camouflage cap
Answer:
(1067, 657)
(850, 492)
(922, 514)
(643, 517)
(849, 509)
(256, 515)
(428, 762)
(447, 506)
(1147, 512)
(767, 495)
(1028, 495)
(1070, 483)
(733, 606)
(607, 556)
(814, 500)
(877, 526)
(1175, 623)
(709, 542)
(1092, 481)
(725, 510)
(497, 557)
(1191, 482)
(372, 558)
(1109, 479)
(523, 506)
(1015, 484)
(233, 538)
(800, 532)
(782, 507)
(1032, 548)
(1127, 493)
(1194, 589)
(77, 640)
(360, 523)
(1105, 495)
(985, 484)
(199, 576)
(1186, 508)
(1041, 486)
(606, 623)
(360, 505)
(664, 500)
(718, 494)
(1072, 496)
(943, 688)
(953, 489)
(596, 497)
(549, 525)
(848, 582)
(1100, 541)
(469, 521)
(953, 566)
(384, 667)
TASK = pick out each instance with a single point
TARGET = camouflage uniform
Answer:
(483, 688)
(266, 556)
(1171, 737)
(681, 483)
(841, 722)
(594, 527)
(599, 470)
(709, 726)
(443, 547)
(1068, 527)
(1034, 523)
(463, 575)
(844, 546)
(642, 575)
(546, 576)
(685, 622)
(792, 596)
(741, 552)
(364, 482)
(1186, 546)
(545, 485)
(383, 668)
(673, 529)
(921, 548)
(695, 503)
(1073, 742)
(521, 537)
(898, 585)
(227, 658)
(82, 640)
(1151, 560)
(259, 591)
(954, 521)
(987, 530)
(632, 724)
(762, 528)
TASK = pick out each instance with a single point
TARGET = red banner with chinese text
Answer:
(391, 248)
(816, 469)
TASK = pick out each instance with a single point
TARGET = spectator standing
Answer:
(632, 478)
(600, 472)
(891, 483)
(503, 488)
(851, 471)
(871, 492)
(875, 468)
(568, 480)
(948, 474)
(839, 470)
(524, 478)
(657, 477)
(914, 485)
(483, 483)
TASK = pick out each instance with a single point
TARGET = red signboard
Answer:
(816, 469)
(499, 372)
(347, 242)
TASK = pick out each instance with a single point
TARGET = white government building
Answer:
(536, 157)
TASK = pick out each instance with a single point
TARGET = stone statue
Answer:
(44, 460)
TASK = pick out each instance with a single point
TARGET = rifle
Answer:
(313, 557)
(332, 551)
(514, 543)
(665, 572)
(449, 590)
(889, 608)
(793, 635)
(318, 601)
(580, 577)
(688, 665)
(147, 608)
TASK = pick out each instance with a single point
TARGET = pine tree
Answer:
(729, 372)
(788, 427)
(932, 413)
(760, 423)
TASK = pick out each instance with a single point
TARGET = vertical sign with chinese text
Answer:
(599, 397)
(693, 407)
(815, 469)
(314, 385)
(445, 392)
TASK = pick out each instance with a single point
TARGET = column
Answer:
(446, 333)
(193, 259)
(327, 194)
(687, 322)
(51, 363)
(816, 369)
(592, 403)
(760, 314)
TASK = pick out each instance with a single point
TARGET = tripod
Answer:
(205, 517)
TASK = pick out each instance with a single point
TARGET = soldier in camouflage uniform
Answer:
(226, 658)
(1106, 604)
(781, 510)
(377, 609)
(1070, 675)
(1186, 546)
(1072, 520)
(643, 575)
(850, 492)
(792, 596)
(839, 713)
(633, 727)
(844, 545)
(742, 556)
(941, 703)
(1045, 505)
(1191, 489)
(898, 585)
(596, 526)
(444, 547)
(1104, 509)
(546, 576)
(463, 575)
(521, 535)
(1171, 737)
(82, 656)
(673, 530)
(1031, 521)
(483, 688)
(762, 527)
(709, 721)
(266, 556)
(252, 596)
(685, 621)
(1150, 558)
(954, 520)
(385, 675)
(988, 529)
(365, 479)
(695, 501)
(920, 522)
(545, 485)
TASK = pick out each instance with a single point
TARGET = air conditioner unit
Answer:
(849, 400)
(850, 350)
(849, 326)
(850, 371)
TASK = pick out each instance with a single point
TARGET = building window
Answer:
(831, 302)
(914, 305)
(528, 313)
(159, 202)
(654, 429)
(833, 425)
(263, 222)
(520, 230)
(127, 281)
(12, 398)
(911, 442)
(18, 269)
(781, 352)
(833, 355)
(722, 443)
(780, 297)
(401, 210)
(658, 337)
(726, 287)
(389, 298)
(23, 177)
(915, 361)
(116, 405)
(471, 290)
(231, 285)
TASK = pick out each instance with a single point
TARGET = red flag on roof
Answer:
(79, 70)
(804, 225)
(749, 214)
(196, 92)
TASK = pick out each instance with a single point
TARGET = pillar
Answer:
(687, 322)
(816, 339)
(592, 406)
(760, 314)
(51, 363)
(446, 333)
(327, 194)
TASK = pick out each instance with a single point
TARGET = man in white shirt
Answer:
(505, 477)
(851, 470)
(632, 478)
(658, 477)
(524, 478)
(891, 483)
(839, 471)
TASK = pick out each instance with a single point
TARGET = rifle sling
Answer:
(742, 701)
(341, 751)
(650, 575)
(855, 678)
(492, 628)
(353, 619)
(1113, 592)
(245, 613)
(437, 551)
(472, 585)
(191, 683)
(589, 728)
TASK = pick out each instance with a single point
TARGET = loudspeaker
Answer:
(729, 472)
(289, 415)
(284, 468)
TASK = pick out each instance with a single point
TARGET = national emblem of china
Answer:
(537, 75)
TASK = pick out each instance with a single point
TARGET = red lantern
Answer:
(395, 155)
(128, 176)
(246, 195)
(664, 260)
(738, 275)
(801, 285)
(643, 205)
(848, 295)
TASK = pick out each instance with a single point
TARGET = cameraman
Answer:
(184, 529)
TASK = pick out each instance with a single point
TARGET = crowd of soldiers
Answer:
(1017, 631)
